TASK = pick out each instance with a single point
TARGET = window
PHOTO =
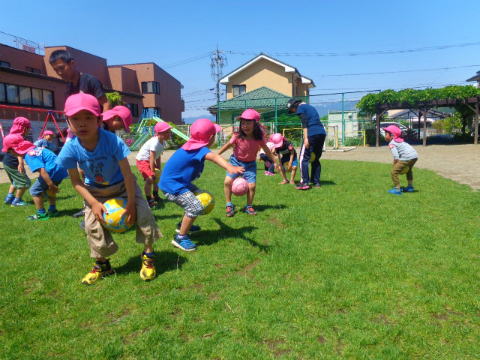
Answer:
(153, 111)
(12, 94)
(4, 63)
(150, 87)
(239, 90)
(47, 98)
(3, 96)
(25, 95)
(134, 109)
(33, 70)
(37, 97)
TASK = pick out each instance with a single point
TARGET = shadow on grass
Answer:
(327, 183)
(209, 237)
(260, 208)
(164, 217)
(165, 261)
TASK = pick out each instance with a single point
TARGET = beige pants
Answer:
(399, 167)
(100, 240)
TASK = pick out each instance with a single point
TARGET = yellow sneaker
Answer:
(148, 271)
(99, 271)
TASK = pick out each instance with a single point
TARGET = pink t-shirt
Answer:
(246, 150)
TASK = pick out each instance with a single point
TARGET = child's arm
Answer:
(21, 165)
(153, 154)
(130, 208)
(48, 180)
(224, 148)
(270, 155)
(97, 207)
(282, 170)
(220, 161)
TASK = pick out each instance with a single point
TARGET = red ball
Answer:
(240, 187)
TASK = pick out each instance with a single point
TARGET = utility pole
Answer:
(218, 62)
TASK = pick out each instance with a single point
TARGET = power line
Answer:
(188, 102)
(402, 71)
(186, 61)
(198, 92)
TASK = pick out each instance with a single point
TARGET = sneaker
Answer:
(148, 271)
(39, 216)
(268, 173)
(19, 203)
(183, 242)
(193, 229)
(99, 271)
(230, 210)
(79, 214)
(54, 213)
(248, 209)
(302, 186)
(8, 200)
(152, 204)
(158, 199)
(407, 189)
(395, 192)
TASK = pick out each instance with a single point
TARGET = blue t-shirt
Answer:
(310, 119)
(37, 158)
(100, 165)
(181, 169)
(45, 144)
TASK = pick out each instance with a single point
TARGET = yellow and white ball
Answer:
(405, 170)
(157, 176)
(113, 221)
(207, 200)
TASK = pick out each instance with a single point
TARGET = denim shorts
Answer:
(286, 159)
(250, 173)
(40, 186)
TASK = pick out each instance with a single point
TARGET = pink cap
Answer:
(250, 114)
(162, 126)
(270, 145)
(19, 125)
(78, 102)
(277, 140)
(47, 132)
(395, 131)
(200, 133)
(123, 112)
(17, 143)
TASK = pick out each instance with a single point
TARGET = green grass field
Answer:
(346, 271)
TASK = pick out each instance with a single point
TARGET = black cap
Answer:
(292, 103)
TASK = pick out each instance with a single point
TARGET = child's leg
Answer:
(411, 164)
(227, 188)
(397, 169)
(294, 172)
(148, 187)
(251, 193)
(187, 223)
(38, 200)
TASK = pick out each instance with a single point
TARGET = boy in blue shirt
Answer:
(185, 166)
(42, 161)
(46, 141)
(103, 157)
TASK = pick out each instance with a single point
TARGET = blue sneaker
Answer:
(395, 192)
(193, 229)
(19, 203)
(184, 243)
(407, 189)
(9, 199)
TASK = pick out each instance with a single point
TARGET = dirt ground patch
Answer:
(460, 163)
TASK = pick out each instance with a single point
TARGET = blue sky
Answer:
(168, 32)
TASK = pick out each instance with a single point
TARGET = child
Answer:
(313, 139)
(404, 156)
(15, 167)
(45, 142)
(186, 165)
(118, 118)
(247, 142)
(286, 153)
(268, 163)
(43, 161)
(103, 158)
(148, 159)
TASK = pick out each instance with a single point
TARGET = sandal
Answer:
(284, 182)
(292, 182)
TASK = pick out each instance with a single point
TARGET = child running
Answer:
(103, 157)
(42, 161)
(15, 167)
(404, 158)
(286, 153)
(149, 159)
(45, 141)
(246, 144)
(186, 165)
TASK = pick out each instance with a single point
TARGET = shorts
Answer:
(144, 167)
(187, 201)
(250, 173)
(40, 186)
(18, 180)
(286, 159)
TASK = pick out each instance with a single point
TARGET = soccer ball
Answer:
(49, 194)
(207, 200)
(157, 176)
(312, 157)
(405, 170)
(240, 187)
(113, 221)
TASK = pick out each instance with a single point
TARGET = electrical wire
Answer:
(401, 71)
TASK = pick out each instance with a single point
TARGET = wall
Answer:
(20, 59)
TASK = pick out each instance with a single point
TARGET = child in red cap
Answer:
(149, 159)
(103, 158)
(118, 118)
(246, 145)
(15, 168)
(45, 141)
(186, 165)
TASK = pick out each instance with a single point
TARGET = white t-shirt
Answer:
(151, 145)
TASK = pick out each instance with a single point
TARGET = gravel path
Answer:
(460, 163)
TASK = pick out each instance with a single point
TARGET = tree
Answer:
(114, 98)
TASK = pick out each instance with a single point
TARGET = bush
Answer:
(353, 142)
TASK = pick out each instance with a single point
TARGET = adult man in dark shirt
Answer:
(78, 82)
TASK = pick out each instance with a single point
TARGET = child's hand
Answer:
(98, 209)
(278, 169)
(54, 188)
(131, 212)
(21, 168)
(289, 168)
(235, 169)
